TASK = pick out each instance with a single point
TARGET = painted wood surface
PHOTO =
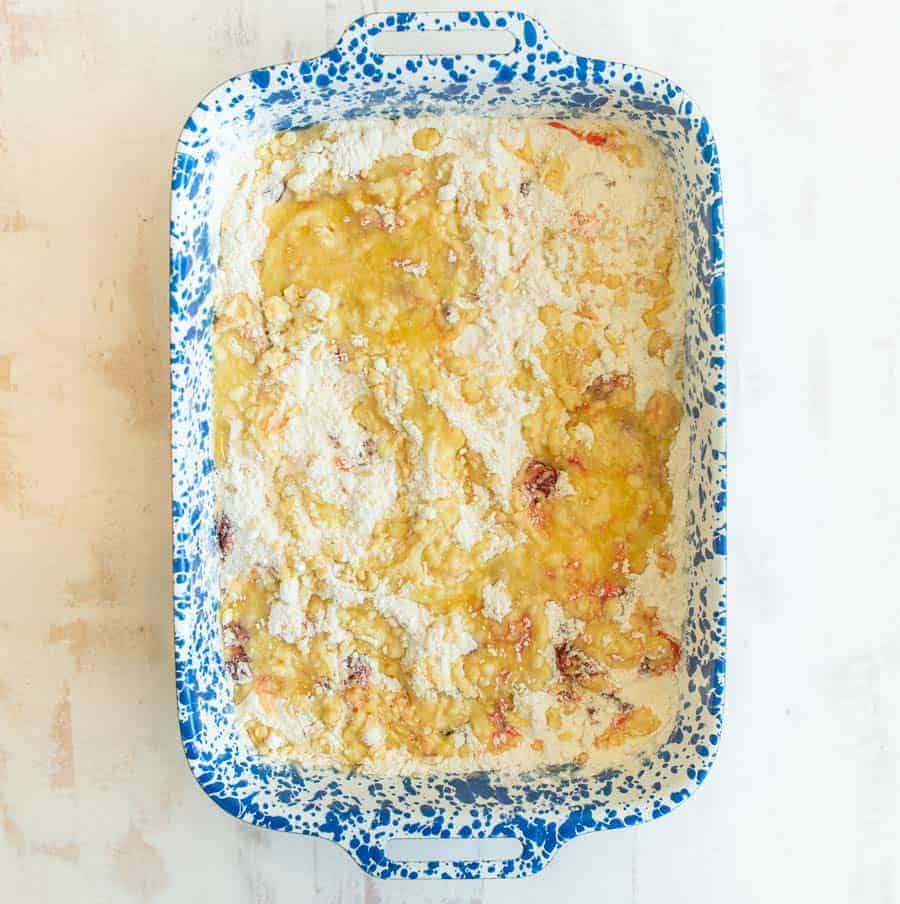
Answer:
(96, 803)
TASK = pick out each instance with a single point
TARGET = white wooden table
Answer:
(96, 802)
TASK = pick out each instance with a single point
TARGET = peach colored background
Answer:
(96, 803)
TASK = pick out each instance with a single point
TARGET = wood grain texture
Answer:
(96, 803)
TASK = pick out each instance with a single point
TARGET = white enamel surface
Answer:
(95, 801)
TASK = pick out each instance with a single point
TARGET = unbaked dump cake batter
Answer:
(449, 463)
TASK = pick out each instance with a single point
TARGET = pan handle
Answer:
(505, 852)
(368, 33)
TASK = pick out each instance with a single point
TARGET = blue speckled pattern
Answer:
(547, 808)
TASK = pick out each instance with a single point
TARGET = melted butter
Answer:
(385, 248)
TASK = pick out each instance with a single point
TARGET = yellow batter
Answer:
(483, 609)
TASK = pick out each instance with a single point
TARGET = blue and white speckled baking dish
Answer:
(544, 809)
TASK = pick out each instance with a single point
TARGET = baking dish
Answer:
(543, 809)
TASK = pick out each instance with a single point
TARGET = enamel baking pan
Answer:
(546, 808)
